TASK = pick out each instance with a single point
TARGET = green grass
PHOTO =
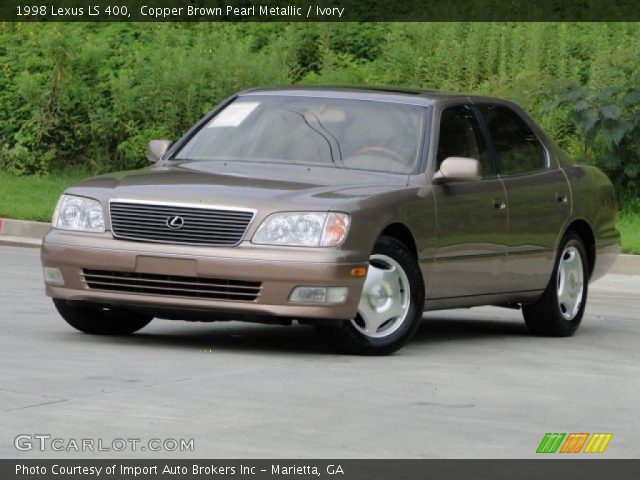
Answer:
(35, 197)
(629, 226)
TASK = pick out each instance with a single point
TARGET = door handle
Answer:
(562, 198)
(499, 205)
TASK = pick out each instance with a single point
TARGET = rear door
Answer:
(471, 217)
(538, 197)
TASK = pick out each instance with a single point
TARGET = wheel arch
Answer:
(402, 233)
(585, 232)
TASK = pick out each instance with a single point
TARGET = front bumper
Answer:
(279, 269)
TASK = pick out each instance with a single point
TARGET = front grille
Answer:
(196, 225)
(172, 285)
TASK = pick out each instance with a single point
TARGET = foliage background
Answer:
(90, 96)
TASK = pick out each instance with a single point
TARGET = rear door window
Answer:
(517, 148)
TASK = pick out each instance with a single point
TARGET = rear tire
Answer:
(391, 304)
(559, 311)
(97, 320)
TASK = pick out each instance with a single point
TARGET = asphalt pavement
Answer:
(471, 384)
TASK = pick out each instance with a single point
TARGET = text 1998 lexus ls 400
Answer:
(349, 209)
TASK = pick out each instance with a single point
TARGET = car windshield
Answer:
(357, 134)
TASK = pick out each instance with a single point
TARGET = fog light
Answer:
(53, 276)
(319, 294)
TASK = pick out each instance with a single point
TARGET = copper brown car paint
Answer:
(490, 241)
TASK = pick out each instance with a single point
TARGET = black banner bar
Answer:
(318, 10)
(569, 469)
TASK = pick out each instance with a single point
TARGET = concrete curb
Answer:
(13, 241)
(23, 228)
(626, 265)
(22, 233)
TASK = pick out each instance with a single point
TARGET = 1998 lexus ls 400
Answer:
(349, 209)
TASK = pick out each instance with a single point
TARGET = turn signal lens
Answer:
(358, 272)
(335, 229)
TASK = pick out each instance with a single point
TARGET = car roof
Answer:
(415, 96)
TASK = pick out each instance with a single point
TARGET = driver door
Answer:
(471, 216)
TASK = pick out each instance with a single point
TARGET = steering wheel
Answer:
(383, 150)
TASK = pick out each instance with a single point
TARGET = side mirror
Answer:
(157, 149)
(459, 169)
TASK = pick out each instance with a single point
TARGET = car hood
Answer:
(238, 184)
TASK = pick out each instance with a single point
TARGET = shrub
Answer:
(92, 95)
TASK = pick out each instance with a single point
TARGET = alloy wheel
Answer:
(570, 282)
(385, 300)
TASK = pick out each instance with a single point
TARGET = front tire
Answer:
(391, 304)
(559, 311)
(97, 320)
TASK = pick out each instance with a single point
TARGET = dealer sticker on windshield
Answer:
(233, 115)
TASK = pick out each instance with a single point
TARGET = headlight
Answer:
(303, 229)
(78, 213)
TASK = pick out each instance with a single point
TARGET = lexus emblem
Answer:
(175, 223)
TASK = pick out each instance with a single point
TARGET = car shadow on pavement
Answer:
(438, 329)
(297, 339)
(228, 337)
